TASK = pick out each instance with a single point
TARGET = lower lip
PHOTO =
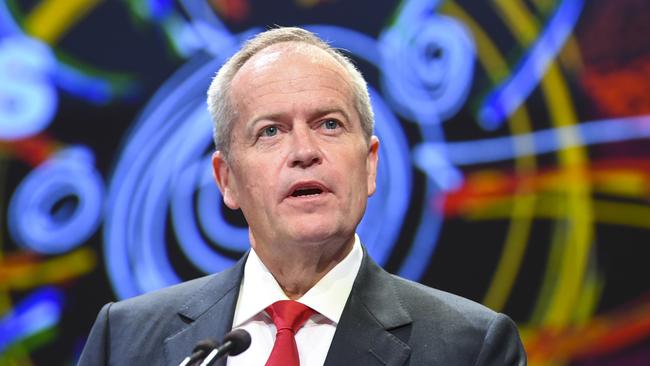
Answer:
(308, 198)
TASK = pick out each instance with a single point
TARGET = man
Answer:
(295, 152)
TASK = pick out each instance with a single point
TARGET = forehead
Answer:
(290, 67)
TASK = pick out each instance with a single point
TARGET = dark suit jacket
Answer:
(387, 321)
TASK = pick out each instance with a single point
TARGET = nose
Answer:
(305, 151)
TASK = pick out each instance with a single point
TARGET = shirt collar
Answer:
(259, 289)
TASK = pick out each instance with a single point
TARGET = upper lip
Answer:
(303, 185)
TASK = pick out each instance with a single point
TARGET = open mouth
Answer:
(307, 189)
(301, 192)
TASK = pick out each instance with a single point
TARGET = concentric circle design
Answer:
(163, 174)
(59, 204)
(427, 66)
(28, 101)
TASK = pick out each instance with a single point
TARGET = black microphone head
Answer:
(240, 340)
(206, 345)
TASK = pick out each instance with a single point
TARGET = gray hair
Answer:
(219, 103)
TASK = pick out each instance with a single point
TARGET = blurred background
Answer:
(514, 164)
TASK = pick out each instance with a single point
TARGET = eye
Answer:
(269, 131)
(331, 124)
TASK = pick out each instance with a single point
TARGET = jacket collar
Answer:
(208, 313)
(373, 329)
(375, 326)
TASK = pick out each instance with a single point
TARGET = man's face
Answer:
(300, 168)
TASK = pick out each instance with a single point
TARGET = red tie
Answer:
(288, 316)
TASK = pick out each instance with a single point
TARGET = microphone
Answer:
(201, 349)
(234, 343)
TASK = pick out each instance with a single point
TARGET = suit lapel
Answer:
(208, 314)
(374, 327)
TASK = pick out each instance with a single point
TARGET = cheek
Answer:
(356, 177)
(259, 189)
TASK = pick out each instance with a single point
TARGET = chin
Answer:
(317, 234)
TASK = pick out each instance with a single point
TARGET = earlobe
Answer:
(371, 164)
(222, 175)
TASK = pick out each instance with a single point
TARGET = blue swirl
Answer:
(427, 66)
(39, 217)
(153, 170)
(507, 97)
(30, 99)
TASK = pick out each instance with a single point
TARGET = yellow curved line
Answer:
(522, 24)
(579, 232)
(591, 292)
(518, 231)
(488, 54)
(573, 234)
(50, 19)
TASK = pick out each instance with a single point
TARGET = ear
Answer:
(371, 164)
(225, 181)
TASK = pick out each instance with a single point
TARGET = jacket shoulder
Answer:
(455, 328)
(422, 301)
(166, 300)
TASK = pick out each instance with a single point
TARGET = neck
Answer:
(297, 267)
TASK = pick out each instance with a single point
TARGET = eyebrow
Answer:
(250, 125)
(325, 111)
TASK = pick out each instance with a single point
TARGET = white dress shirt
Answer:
(259, 289)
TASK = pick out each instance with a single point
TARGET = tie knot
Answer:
(289, 314)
